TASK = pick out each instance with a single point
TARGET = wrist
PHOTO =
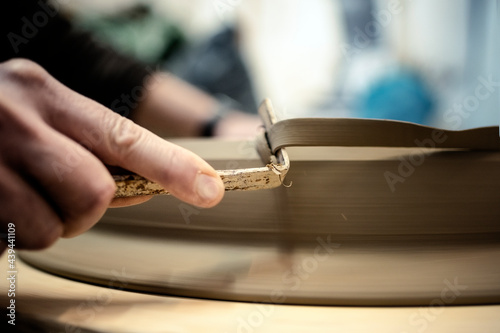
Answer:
(223, 107)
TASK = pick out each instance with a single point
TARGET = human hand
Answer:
(54, 145)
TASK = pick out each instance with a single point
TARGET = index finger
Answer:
(118, 141)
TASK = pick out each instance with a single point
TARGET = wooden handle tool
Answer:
(269, 176)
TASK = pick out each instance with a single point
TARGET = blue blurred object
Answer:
(402, 95)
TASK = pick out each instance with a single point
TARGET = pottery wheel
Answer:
(337, 236)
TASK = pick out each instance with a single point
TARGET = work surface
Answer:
(53, 304)
(339, 236)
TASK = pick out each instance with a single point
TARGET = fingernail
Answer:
(208, 187)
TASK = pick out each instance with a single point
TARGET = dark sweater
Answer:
(34, 30)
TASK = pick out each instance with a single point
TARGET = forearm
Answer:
(172, 107)
(73, 57)
(159, 102)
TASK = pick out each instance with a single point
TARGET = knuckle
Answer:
(24, 71)
(123, 136)
(99, 196)
(89, 209)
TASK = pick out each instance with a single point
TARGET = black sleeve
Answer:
(34, 30)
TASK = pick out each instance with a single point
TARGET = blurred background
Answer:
(434, 62)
